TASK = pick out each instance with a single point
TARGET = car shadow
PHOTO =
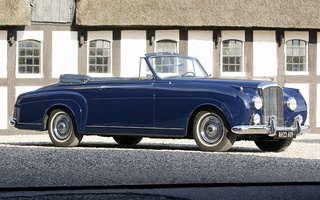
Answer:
(145, 146)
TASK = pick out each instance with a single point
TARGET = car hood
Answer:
(228, 82)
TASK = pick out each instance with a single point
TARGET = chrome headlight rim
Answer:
(292, 104)
(257, 101)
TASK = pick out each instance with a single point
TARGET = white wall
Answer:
(133, 46)
(23, 89)
(99, 35)
(64, 53)
(318, 54)
(318, 105)
(29, 35)
(3, 54)
(264, 53)
(233, 35)
(200, 46)
(3, 108)
(304, 87)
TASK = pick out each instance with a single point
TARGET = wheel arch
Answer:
(206, 107)
(79, 115)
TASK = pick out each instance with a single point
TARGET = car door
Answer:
(174, 102)
(126, 104)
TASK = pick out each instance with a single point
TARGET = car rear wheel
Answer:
(210, 132)
(276, 146)
(127, 140)
(61, 129)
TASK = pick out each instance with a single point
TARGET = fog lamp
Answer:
(256, 119)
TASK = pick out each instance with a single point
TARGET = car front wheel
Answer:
(210, 132)
(61, 129)
(276, 146)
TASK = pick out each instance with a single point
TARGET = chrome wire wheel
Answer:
(62, 126)
(211, 129)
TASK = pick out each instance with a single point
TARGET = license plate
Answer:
(286, 134)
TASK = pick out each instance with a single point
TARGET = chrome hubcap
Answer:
(61, 127)
(211, 129)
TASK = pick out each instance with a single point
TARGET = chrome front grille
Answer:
(272, 104)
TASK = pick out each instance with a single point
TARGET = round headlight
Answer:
(257, 102)
(292, 103)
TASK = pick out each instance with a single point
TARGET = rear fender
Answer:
(73, 101)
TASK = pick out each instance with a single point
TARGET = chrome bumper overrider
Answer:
(13, 122)
(272, 128)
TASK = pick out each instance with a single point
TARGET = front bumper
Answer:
(271, 129)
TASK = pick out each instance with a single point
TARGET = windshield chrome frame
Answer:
(180, 56)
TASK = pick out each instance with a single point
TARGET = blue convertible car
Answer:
(171, 97)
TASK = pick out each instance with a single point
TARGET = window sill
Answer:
(29, 75)
(297, 73)
(233, 74)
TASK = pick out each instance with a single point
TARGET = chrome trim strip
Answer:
(264, 85)
(272, 128)
(132, 127)
(34, 124)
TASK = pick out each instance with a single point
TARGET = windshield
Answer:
(177, 66)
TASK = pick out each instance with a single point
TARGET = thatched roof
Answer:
(14, 12)
(230, 13)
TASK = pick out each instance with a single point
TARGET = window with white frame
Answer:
(99, 56)
(232, 56)
(166, 65)
(167, 46)
(296, 55)
(29, 57)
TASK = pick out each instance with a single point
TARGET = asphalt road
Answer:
(31, 161)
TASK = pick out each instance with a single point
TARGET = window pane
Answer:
(296, 54)
(92, 61)
(99, 54)
(92, 52)
(22, 44)
(29, 43)
(92, 69)
(36, 52)
(22, 61)
(232, 55)
(99, 60)
(22, 52)
(106, 69)
(36, 61)
(295, 43)
(22, 69)
(29, 52)
(29, 61)
(29, 69)
(92, 43)
(36, 69)
(99, 69)
(225, 60)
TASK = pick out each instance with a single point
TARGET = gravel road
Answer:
(32, 161)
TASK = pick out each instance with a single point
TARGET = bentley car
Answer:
(170, 96)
